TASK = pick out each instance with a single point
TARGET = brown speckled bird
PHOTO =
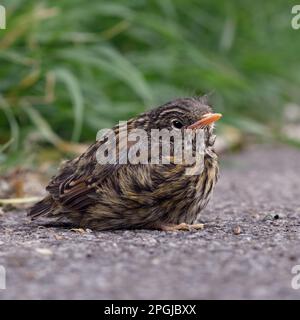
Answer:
(127, 196)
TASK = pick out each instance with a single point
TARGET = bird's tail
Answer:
(42, 208)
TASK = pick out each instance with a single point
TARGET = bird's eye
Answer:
(177, 124)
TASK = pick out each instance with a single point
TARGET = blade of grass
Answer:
(49, 135)
(14, 127)
(75, 93)
(14, 201)
(6, 145)
(41, 124)
(114, 65)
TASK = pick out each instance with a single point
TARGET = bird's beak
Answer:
(206, 120)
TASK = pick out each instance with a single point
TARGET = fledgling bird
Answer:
(131, 196)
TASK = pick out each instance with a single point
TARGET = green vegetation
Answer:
(71, 67)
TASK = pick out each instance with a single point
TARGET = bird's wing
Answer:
(74, 185)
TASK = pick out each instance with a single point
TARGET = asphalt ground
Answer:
(247, 249)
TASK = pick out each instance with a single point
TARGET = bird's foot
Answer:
(183, 227)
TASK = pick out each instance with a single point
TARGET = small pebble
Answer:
(58, 237)
(155, 261)
(44, 251)
(237, 230)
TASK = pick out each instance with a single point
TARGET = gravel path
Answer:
(247, 250)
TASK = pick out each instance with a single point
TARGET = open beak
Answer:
(206, 120)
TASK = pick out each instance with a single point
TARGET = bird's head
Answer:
(184, 113)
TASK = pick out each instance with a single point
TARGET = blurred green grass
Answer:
(71, 67)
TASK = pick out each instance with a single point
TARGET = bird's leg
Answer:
(182, 227)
